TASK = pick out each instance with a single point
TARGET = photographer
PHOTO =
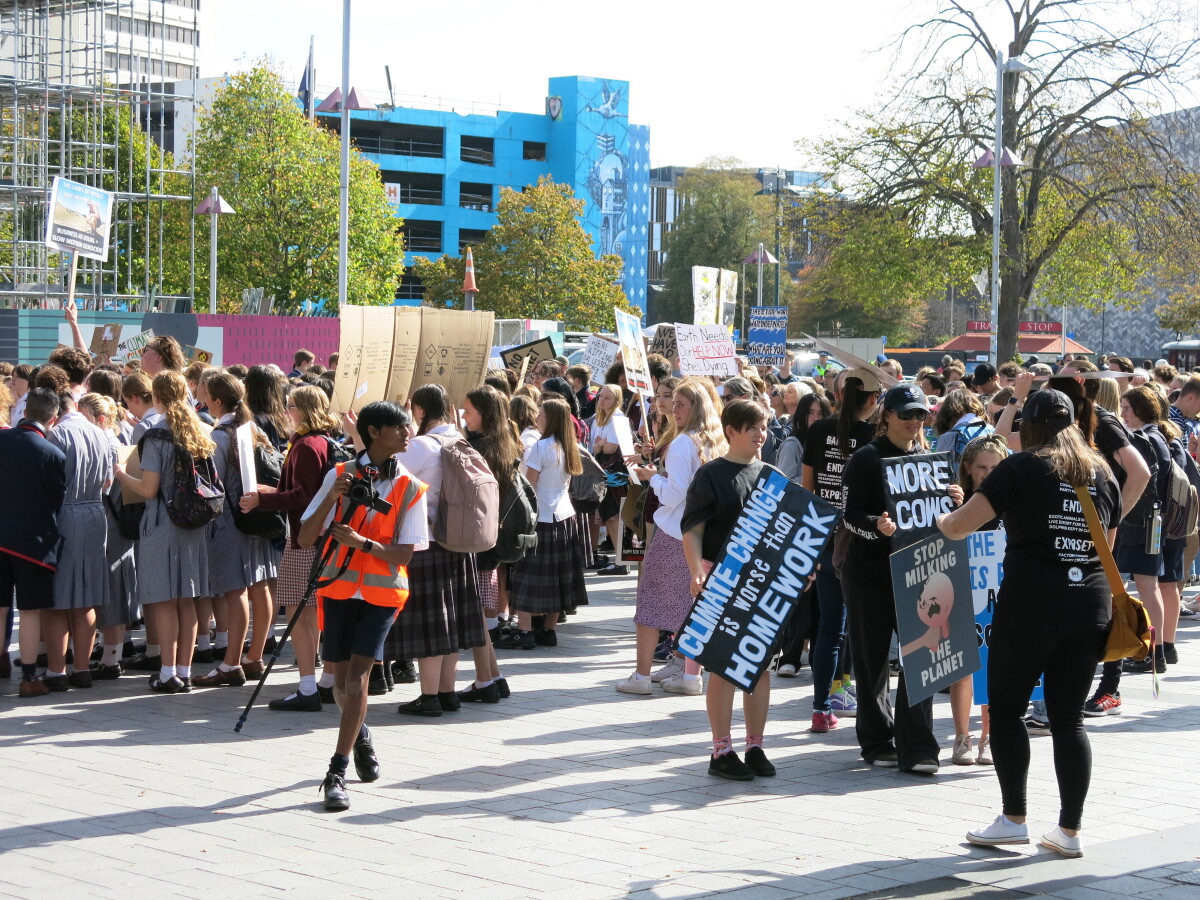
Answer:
(368, 578)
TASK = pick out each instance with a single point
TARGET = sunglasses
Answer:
(909, 414)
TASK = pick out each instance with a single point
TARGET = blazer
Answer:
(33, 483)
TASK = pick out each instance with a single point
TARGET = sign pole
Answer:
(71, 280)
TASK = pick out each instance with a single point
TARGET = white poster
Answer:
(706, 350)
(79, 219)
(633, 352)
(600, 353)
(704, 295)
(624, 435)
(245, 450)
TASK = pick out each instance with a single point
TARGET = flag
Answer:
(306, 89)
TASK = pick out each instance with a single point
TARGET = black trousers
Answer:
(1017, 657)
(871, 621)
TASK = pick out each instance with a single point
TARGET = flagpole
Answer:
(311, 101)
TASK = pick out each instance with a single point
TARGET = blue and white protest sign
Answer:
(986, 552)
(766, 337)
(736, 623)
(79, 219)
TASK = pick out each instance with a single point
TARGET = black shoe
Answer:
(337, 798)
(606, 546)
(202, 656)
(1143, 666)
(494, 634)
(1170, 654)
(404, 671)
(502, 684)
(758, 762)
(57, 683)
(547, 637)
(665, 650)
(562, 616)
(521, 640)
(325, 693)
(728, 766)
(298, 702)
(426, 705)
(613, 569)
(366, 763)
(269, 646)
(43, 661)
(144, 663)
(449, 701)
(130, 650)
(377, 686)
(489, 694)
(894, 666)
(106, 673)
(599, 561)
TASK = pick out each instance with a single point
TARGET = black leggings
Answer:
(1016, 658)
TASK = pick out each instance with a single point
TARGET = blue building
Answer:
(443, 171)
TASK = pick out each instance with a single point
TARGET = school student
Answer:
(714, 501)
(1052, 611)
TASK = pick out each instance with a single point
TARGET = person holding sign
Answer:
(1053, 579)
(905, 739)
(606, 447)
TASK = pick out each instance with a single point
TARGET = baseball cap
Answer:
(1049, 407)
(984, 372)
(870, 381)
(904, 397)
(880, 359)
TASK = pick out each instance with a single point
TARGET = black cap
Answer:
(1049, 407)
(984, 372)
(904, 397)
(1031, 360)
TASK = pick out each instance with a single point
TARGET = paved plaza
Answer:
(567, 789)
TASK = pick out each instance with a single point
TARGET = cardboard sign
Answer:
(704, 295)
(985, 552)
(535, 351)
(349, 363)
(406, 340)
(738, 619)
(195, 354)
(727, 285)
(79, 219)
(633, 353)
(365, 360)
(664, 344)
(849, 359)
(766, 338)
(454, 350)
(706, 350)
(599, 354)
(127, 455)
(105, 339)
(916, 492)
(935, 615)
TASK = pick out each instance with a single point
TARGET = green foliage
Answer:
(537, 262)
(280, 173)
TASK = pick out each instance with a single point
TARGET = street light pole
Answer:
(344, 191)
(212, 251)
(778, 214)
(998, 152)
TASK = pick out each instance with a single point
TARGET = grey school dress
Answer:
(237, 560)
(172, 563)
(122, 608)
(81, 580)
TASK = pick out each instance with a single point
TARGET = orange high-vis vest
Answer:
(377, 581)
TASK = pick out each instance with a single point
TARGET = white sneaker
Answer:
(999, 832)
(962, 751)
(787, 670)
(677, 684)
(985, 753)
(673, 666)
(1062, 843)
(634, 685)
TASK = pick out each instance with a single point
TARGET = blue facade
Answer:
(444, 170)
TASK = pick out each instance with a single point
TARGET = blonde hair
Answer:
(170, 396)
(1108, 395)
(989, 443)
(101, 406)
(703, 424)
(560, 427)
(532, 391)
(314, 410)
(604, 416)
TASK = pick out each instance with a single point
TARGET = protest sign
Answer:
(916, 492)
(536, 351)
(127, 455)
(985, 551)
(704, 295)
(728, 315)
(727, 285)
(195, 354)
(706, 350)
(599, 354)
(454, 349)
(851, 361)
(105, 339)
(631, 544)
(79, 218)
(244, 435)
(131, 347)
(736, 622)
(935, 615)
(349, 353)
(406, 340)
(766, 338)
(366, 357)
(664, 344)
(624, 435)
(633, 353)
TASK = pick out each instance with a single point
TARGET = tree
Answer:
(280, 172)
(1097, 174)
(537, 262)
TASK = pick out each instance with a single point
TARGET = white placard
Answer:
(245, 451)
(706, 350)
(599, 354)
(633, 352)
(624, 435)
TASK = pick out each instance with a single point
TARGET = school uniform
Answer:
(81, 581)
(33, 484)
(238, 560)
(119, 554)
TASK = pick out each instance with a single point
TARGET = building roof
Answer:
(1049, 344)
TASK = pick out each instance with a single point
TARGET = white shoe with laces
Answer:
(673, 666)
(1062, 843)
(985, 753)
(634, 685)
(1000, 832)
(962, 751)
(787, 670)
(677, 684)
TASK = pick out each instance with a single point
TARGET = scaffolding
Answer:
(74, 76)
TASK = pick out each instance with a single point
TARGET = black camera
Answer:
(361, 491)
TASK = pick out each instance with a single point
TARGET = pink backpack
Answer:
(468, 514)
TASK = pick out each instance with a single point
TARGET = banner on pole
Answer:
(105, 339)
(79, 219)
(633, 352)
(766, 339)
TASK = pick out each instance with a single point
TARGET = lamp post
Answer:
(996, 158)
(777, 190)
(759, 257)
(213, 205)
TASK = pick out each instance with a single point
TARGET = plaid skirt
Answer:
(443, 614)
(294, 570)
(550, 580)
(579, 526)
(489, 590)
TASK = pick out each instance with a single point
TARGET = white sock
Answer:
(326, 680)
(480, 685)
(50, 674)
(222, 640)
(204, 642)
(638, 676)
(166, 673)
(687, 677)
(112, 654)
(224, 668)
(308, 685)
(183, 671)
(153, 650)
(492, 622)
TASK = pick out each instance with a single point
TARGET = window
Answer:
(140, 65)
(422, 235)
(156, 30)
(481, 150)
(535, 150)
(474, 195)
(470, 237)
(410, 287)
(413, 187)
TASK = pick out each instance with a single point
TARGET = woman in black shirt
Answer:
(1051, 612)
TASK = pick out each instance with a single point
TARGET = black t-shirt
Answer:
(1111, 438)
(865, 503)
(715, 497)
(1052, 573)
(824, 456)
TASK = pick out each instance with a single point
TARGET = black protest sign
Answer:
(915, 490)
(935, 615)
(736, 622)
(663, 343)
(542, 348)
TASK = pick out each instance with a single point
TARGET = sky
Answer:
(746, 82)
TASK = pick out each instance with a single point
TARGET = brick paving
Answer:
(567, 789)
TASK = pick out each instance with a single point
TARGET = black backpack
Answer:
(588, 488)
(199, 495)
(517, 535)
(338, 453)
(128, 516)
(268, 467)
